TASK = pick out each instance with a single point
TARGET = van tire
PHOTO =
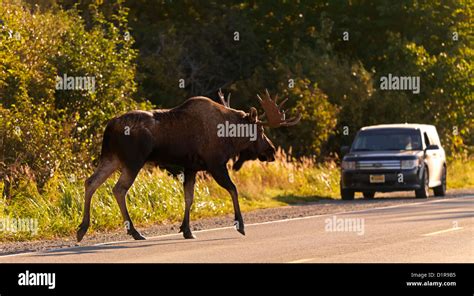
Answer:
(424, 191)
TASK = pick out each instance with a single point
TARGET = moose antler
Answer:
(276, 117)
(225, 102)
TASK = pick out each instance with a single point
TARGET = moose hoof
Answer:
(188, 235)
(81, 232)
(137, 236)
(239, 227)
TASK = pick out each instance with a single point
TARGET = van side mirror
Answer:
(432, 147)
(345, 149)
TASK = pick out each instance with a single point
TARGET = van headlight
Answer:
(348, 165)
(409, 164)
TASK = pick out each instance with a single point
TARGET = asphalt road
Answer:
(439, 230)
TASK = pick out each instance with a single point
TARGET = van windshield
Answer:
(387, 139)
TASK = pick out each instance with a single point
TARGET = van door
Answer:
(433, 159)
(440, 155)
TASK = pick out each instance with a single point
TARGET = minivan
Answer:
(394, 157)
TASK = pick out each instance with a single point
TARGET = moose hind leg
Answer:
(102, 172)
(120, 191)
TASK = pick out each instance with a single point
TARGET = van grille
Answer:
(378, 165)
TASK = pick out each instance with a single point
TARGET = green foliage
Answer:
(138, 51)
(429, 39)
(44, 129)
(319, 118)
(278, 41)
(281, 40)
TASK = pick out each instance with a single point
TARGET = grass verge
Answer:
(157, 197)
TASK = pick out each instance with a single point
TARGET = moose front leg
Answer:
(221, 175)
(189, 181)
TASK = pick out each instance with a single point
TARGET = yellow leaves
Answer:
(457, 141)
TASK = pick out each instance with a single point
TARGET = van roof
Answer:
(399, 125)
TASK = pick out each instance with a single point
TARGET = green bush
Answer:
(45, 130)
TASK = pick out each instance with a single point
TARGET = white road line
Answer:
(302, 260)
(18, 254)
(252, 224)
(443, 231)
(267, 222)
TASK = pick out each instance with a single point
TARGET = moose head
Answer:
(273, 117)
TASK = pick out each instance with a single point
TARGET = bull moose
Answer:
(184, 136)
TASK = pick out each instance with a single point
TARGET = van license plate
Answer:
(377, 178)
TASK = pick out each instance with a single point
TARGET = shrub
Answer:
(43, 129)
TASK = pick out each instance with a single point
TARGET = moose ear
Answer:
(253, 115)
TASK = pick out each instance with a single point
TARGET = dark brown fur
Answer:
(184, 136)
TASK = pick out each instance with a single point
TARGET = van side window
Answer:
(432, 139)
(427, 140)
(435, 139)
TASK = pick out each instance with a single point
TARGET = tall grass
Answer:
(461, 173)
(157, 197)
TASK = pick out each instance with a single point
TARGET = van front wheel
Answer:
(424, 190)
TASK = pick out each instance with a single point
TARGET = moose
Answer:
(184, 136)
